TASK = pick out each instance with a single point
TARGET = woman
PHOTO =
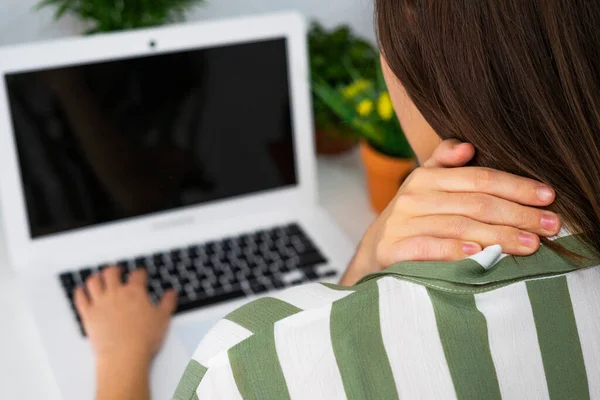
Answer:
(518, 81)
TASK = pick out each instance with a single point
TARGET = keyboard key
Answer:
(184, 280)
(292, 276)
(257, 287)
(170, 268)
(218, 272)
(193, 252)
(209, 248)
(190, 267)
(178, 288)
(310, 274)
(294, 229)
(181, 268)
(158, 258)
(153, 271)
(140, 261)
(329, 274)
(84, 274)
(278, 283)
(203, 301)
(176, 255)
(154, 286)
(310, 259)
(67, 280)
(227, 244)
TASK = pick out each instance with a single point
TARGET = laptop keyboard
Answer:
(214, 272)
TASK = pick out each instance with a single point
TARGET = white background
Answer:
(19, 22)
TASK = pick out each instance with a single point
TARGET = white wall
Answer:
(19, 22)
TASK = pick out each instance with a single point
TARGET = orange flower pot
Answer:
(385, 174)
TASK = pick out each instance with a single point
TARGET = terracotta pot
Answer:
(385, 174)
(334, 141)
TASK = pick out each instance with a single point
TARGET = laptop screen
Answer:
(103, 142)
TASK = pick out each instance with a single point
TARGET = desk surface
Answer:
(25, 372)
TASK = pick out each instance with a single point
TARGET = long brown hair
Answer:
(519, 79)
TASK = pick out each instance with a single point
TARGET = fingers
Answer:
(513, 241)
(112, 277)
(483, 208)
(95, 286)
(138, 277)
(81, 300)
(485, 180)
(427, 248)
(451, 153)
(168, 303)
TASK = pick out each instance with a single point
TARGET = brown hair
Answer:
(519, 79)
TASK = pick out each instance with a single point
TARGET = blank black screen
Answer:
(98, 143)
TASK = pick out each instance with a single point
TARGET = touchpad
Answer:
(192, 332)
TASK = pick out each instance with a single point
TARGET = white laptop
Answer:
(185, 150)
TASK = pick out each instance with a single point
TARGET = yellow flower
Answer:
(356, 88)
(364, 108)
(385, 107)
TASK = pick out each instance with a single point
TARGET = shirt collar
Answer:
(492, 267)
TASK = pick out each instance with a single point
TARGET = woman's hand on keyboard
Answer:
(124, 328)
(445, 211)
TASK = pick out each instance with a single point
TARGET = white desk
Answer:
(24, 371)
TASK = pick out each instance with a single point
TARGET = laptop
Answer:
(185, 150)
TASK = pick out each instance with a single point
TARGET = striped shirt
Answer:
(488, 327)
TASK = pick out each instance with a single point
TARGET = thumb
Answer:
(168, 303)
(451, 153)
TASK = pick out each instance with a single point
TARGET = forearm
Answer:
(352, 275)
(123, 379)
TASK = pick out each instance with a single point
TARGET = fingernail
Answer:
(470, 248)
(549, 222)
(545, 193)
(527, 239)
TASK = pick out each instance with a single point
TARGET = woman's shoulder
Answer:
(250, 333)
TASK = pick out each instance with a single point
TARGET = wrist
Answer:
(126, 360)
(361, 264)
(122, 377)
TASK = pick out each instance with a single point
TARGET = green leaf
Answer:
(353, 72)
(45, 3)
(62, 10)
(93, 31)
(335, 101)
(114, 15)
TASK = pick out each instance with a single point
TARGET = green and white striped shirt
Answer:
(488, 327)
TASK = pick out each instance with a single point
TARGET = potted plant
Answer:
(366, 108)
(108, 16)
(327, 50)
